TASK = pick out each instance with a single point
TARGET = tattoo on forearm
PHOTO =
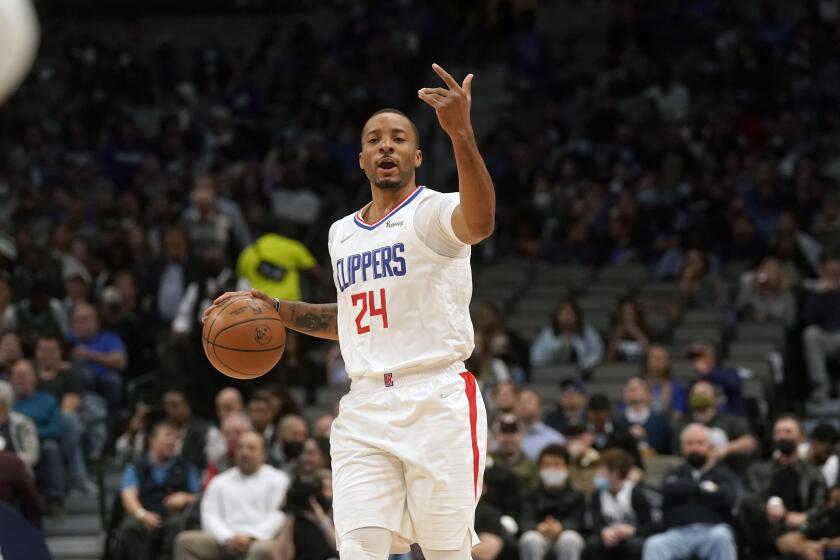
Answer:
(314, 319)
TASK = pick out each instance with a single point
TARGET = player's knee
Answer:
(368, 543)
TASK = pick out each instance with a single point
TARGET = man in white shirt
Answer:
(240, 511)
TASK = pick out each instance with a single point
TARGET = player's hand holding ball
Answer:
(243, 336)
(452, 106)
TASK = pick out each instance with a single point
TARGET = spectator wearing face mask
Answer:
(783, 492)
(727, 380)
(619, 510)
(553, 514)
(732, 440)
(820, 538)
(292, 432)
(698, 497)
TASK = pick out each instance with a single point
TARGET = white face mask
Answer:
(553, 478)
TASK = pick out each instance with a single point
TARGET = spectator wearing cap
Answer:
(582, 457)
(606, 433)
(669, 397)
(651, 430)
(571, 411)
(536, 434)
(10, 352)
(731, 436)
(101, 354)
(727, 380)
(619, 511)
(553, 513)
(821, 337)
(782, 492)
(821, 451)
(568, 339)
(698, 497)
(507, 434)
(43, 410)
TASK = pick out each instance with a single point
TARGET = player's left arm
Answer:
(473, 219)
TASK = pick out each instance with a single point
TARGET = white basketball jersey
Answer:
(401, 305)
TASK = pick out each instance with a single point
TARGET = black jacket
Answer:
(811, 483)
(565, 504)
(641, 507)
(686, 500)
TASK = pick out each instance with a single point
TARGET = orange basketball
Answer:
(244, 337)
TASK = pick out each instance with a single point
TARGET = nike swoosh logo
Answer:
(346, 237)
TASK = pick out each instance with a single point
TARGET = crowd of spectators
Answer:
(138, 180)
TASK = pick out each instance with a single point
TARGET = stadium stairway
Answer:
(79, 534)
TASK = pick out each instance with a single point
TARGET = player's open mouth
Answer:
(387, 164)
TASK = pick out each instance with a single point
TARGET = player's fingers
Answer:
(450, 81)
(436, 90)
(430, 99)
(468, 84)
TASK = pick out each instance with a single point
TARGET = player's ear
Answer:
(361, 163)
(418, 158)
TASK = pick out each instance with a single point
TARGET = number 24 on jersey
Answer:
(367, 300)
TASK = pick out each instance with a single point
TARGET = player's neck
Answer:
(385, 200)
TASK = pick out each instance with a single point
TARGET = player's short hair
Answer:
(400, 113)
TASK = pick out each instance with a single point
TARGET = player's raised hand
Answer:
(451, 104)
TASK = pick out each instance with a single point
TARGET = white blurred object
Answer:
(18, 42)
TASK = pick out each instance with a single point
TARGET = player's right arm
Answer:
(315, 319)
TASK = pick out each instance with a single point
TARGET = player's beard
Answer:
(390, 184)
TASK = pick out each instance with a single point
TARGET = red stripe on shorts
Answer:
(469, 387)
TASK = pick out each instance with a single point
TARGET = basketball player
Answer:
(409, 442)
(18, 39)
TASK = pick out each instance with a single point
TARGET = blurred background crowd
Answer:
(667, 254)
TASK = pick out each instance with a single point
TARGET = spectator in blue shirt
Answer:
(155, 491)
(43, 410)
(101, 353)
(536, 434)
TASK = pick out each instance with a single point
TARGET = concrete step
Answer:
(81, 505)
(75, 548)
(87, 524)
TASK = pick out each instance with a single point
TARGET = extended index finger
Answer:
(450, 81)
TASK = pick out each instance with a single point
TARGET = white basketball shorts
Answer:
(408, 455)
